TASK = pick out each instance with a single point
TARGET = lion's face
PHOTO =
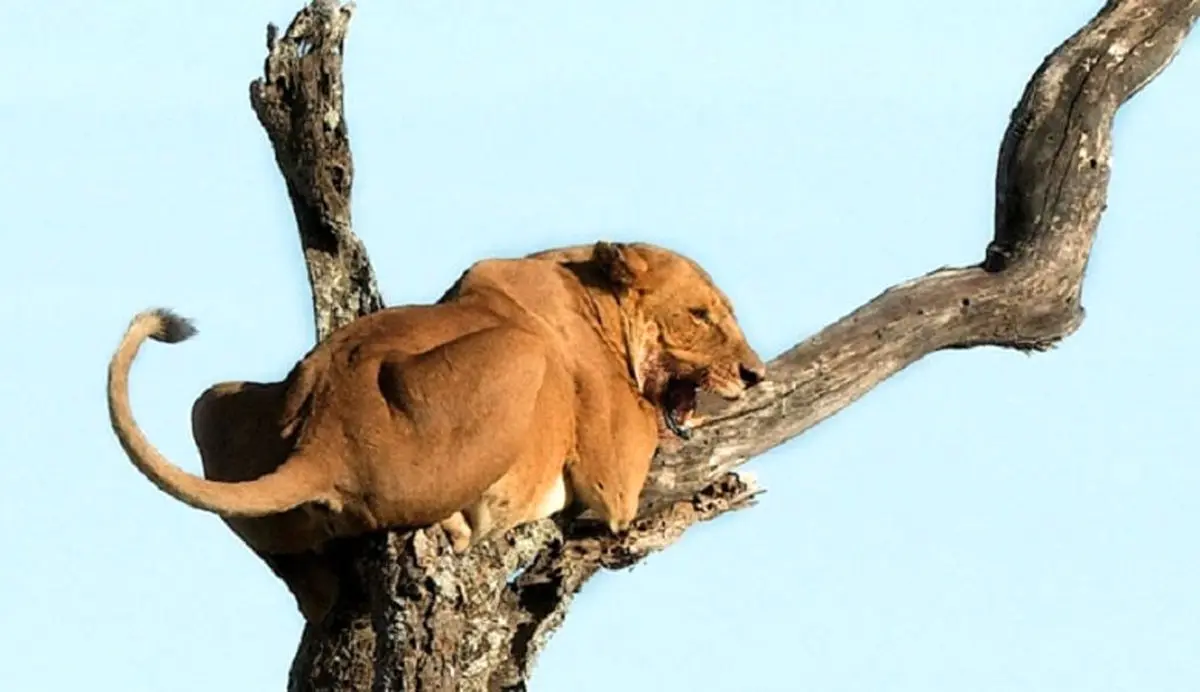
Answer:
(682, 332)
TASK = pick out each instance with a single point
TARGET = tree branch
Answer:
(426, 619)
(298, 101)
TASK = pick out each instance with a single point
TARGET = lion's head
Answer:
(680, 331)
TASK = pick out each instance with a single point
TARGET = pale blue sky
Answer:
(984, 521)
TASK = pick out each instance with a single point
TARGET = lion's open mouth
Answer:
(678, 403)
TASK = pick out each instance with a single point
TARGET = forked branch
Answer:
(427, 619)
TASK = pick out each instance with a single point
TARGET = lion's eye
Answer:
(699, 313)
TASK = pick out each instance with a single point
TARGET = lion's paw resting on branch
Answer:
(532, 384)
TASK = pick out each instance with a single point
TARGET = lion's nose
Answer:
(753, 374)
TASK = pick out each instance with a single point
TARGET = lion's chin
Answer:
(729, 388)
(678, 404)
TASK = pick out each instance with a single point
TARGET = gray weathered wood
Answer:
(298, 101)
(424, 619)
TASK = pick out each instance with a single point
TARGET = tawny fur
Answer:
(533, 383)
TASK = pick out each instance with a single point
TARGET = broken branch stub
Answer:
(299, 103)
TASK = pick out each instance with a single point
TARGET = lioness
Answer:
(532, 383)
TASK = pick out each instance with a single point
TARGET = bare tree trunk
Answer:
(424, 619)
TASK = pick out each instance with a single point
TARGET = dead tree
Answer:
(423, 619)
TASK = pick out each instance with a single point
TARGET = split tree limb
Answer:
(427, 620)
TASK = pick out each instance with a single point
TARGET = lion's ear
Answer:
(618, 263)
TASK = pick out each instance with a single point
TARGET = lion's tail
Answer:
(291, 485)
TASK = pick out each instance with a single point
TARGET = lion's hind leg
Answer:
(459, 418)
(534, 487)
(493, 416)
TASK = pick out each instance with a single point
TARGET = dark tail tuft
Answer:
(171, 327)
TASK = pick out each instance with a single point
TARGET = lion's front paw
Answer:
(620, 524)
(457, 531)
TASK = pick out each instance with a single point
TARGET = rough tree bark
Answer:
(426, 620)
